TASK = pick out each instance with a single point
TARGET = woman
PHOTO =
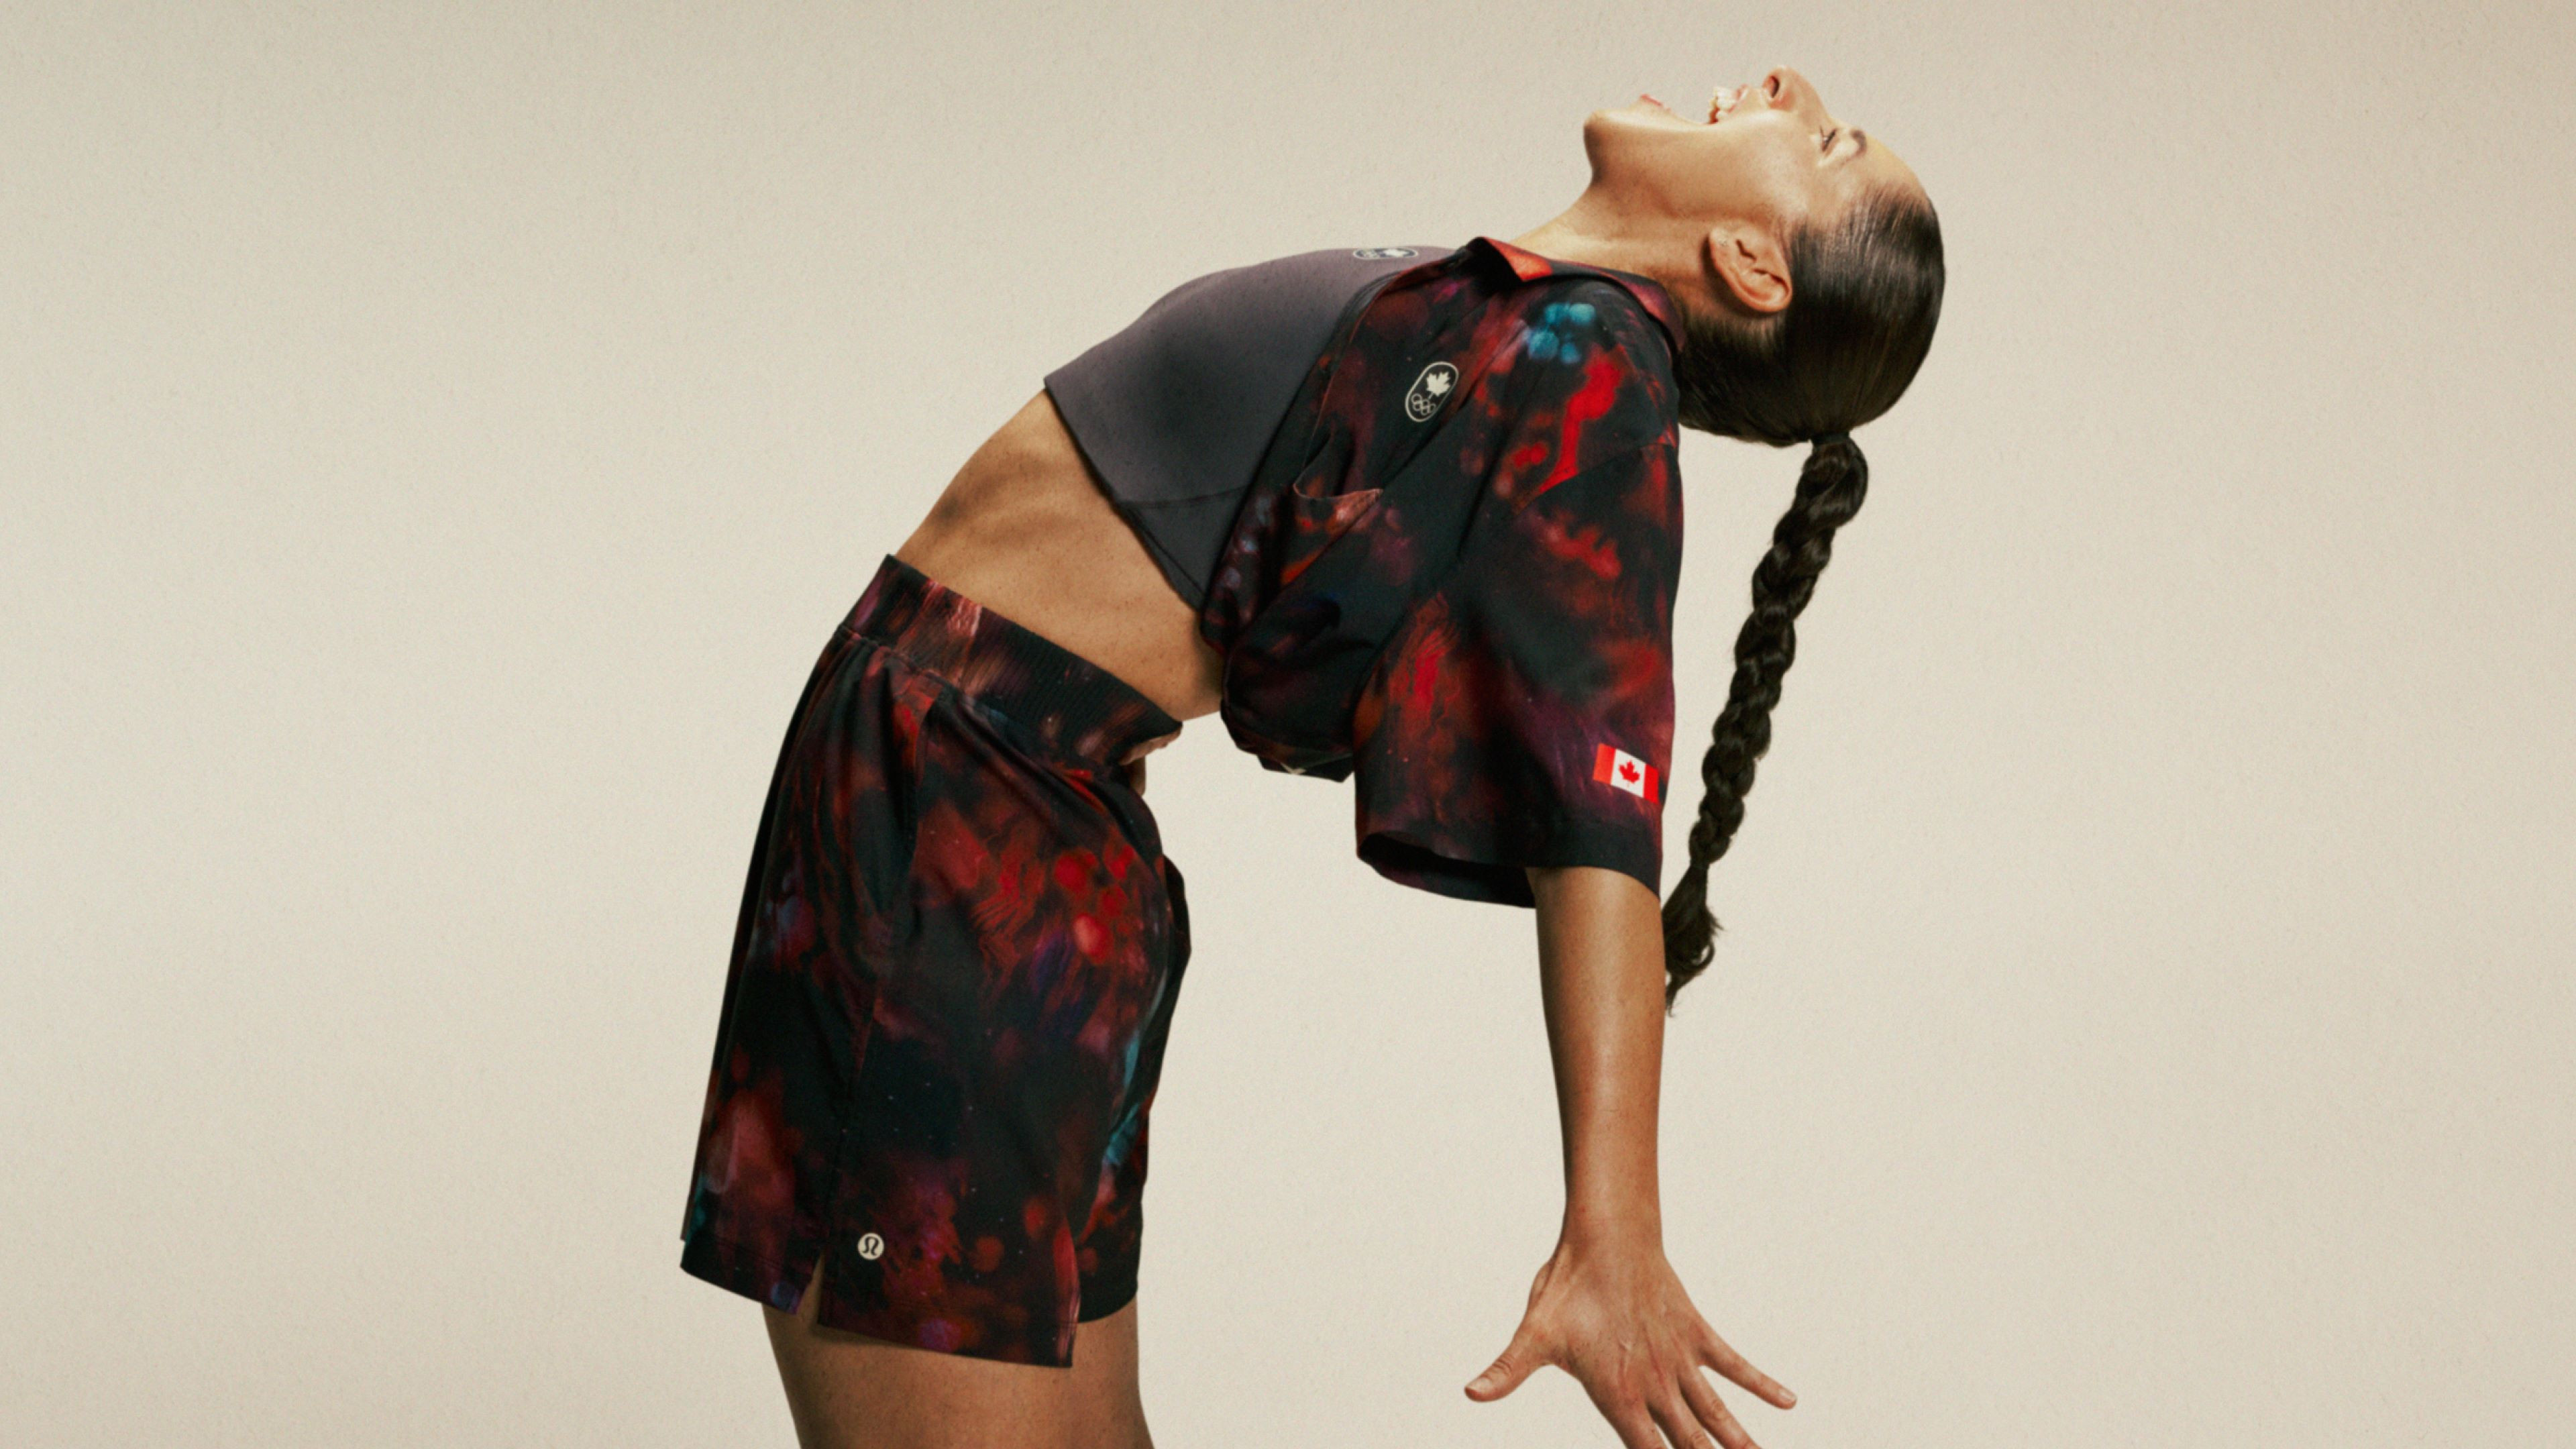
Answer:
(1444, 571)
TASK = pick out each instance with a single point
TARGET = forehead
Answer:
(1872, 170)
(1878, 164)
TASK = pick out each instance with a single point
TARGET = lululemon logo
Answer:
(1429, 391)
(1381, 254)
(871, 1247)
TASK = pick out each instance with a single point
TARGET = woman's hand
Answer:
(1614, 1315)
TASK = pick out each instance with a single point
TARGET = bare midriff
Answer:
(1027, 530)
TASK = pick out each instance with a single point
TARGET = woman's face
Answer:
(1754, 161)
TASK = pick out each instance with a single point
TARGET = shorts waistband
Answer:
(1069, 704)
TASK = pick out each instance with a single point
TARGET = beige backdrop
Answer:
(435, 441)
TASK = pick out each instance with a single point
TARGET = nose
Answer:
(1787, 90)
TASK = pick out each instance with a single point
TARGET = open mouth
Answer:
(1720, 104)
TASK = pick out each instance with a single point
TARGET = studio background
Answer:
(436, 440)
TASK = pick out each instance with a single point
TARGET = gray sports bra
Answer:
(1175, 410)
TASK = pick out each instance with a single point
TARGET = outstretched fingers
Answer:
(1632, 1415)
(1635, 1425)
(1719, 1355)
(1683, 1424)
(1517, 1362)
(1710, 1410)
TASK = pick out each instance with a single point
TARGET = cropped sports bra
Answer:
(1174, 411)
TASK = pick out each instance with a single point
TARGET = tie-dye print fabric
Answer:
(953, 977)
(1453, 575)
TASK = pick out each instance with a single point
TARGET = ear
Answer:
(1750, 265)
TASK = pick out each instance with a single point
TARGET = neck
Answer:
(1599, 233)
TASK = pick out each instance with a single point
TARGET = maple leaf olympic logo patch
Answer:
(1429, 391)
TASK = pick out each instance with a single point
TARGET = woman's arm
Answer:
(1607, 1307)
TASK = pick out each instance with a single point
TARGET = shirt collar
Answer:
(1529, 266)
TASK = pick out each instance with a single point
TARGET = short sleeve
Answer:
(1523, 713)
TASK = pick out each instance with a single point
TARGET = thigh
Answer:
(849, 1391)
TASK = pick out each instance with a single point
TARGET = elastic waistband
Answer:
(1065, 702)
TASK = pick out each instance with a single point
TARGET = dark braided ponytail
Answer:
(1866, 293)
(1830, 489)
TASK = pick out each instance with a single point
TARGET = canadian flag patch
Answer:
(1617, 767)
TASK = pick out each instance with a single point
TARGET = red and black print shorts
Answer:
(950, 988)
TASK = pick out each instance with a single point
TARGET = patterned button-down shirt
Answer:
(1453, 576)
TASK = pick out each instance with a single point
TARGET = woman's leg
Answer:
(849, 1391)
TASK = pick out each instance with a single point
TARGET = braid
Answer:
(1830, 489)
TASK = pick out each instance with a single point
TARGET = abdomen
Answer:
(1026, 530)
